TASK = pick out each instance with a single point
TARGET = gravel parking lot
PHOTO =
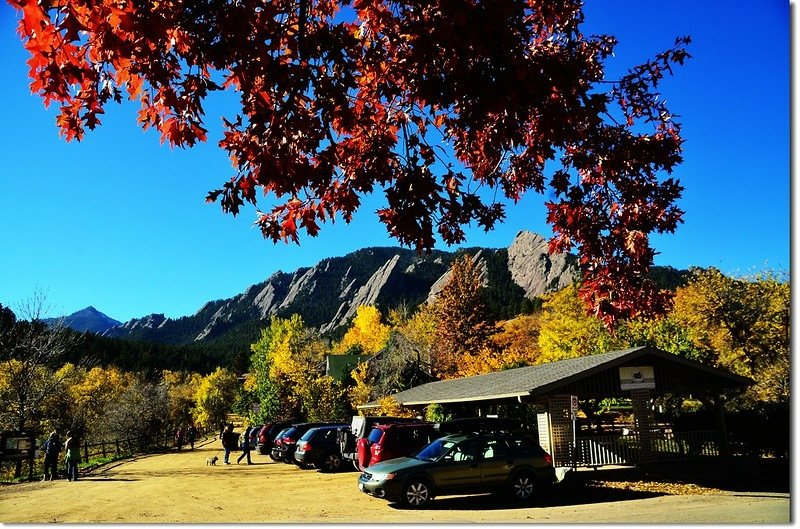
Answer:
(180, 488)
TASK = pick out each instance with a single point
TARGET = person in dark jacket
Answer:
(191, 435)
(228, 442)
(51, 447)
(245, 446)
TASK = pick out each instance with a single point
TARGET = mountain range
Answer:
(328, 294)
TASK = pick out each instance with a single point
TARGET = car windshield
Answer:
(434, 450)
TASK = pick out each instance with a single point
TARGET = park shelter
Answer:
(555, 388)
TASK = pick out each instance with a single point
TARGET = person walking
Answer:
(191, 435)
(228, 442)
(179, 438)
(51, 447)
(245, 446)
(72, 456)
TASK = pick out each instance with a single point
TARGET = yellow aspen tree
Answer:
(367, 333)
(361, 391)
(567, 331)
(215, 397)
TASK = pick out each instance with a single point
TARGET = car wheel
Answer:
(273, 457)
(522, 485)
(416, 493)
(356, 466)
(332, 463)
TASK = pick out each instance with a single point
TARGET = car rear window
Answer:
(525, 446)
(309, 434)
(291, 433)
(375, 435)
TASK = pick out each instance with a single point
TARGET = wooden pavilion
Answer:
(556, 388)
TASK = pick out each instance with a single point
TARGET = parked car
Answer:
(274, 452)
(359, 428)
(253, 437)
(267, 434)
(388, 441)
(318, 448)
(462, 464)
(285, 444)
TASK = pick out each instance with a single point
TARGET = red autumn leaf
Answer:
(337, 104)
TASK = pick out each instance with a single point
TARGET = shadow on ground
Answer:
(734, 475)
(753, 476)
(556, 497)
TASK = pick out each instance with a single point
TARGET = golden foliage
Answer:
(361, 392)
(742, 324)
(515, 344)
(367, 333)
(215, 397)
(323, 398)
(389, 406)
(566, 330)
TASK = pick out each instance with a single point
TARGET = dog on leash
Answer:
(212, 461)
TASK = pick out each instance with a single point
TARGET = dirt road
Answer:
(179, 487)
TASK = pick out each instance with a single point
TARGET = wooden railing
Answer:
(664, 446)
(92, 451)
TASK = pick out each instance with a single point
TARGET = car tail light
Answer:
(306, 447)
(548, 458)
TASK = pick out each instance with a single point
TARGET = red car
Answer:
(388, 441)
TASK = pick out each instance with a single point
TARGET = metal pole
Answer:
(574, 444)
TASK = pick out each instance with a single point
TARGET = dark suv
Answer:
(286, 443)
(462, 464)
(267, 434)
(318, 448)
(388, 441)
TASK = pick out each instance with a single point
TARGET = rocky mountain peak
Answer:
(534, 269)
(89, 319)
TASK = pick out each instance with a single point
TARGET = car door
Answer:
(460, 469)
(498, 461)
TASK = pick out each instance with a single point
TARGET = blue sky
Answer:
(119, 221)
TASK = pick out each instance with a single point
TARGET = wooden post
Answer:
(643, 419)
(116, 444)
(719, 404)
(86, 451)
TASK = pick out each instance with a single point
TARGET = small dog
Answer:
(212, 461)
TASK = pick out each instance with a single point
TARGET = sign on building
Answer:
(633, 378)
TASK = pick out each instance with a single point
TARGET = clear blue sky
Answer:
(119, 221)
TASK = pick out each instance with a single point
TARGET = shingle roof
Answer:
(533, 380)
